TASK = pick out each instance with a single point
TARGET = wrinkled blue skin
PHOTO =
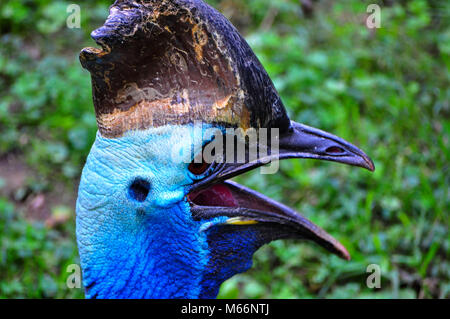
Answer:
(150, 249)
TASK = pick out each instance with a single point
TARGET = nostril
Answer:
(334, 150)
(139, 190)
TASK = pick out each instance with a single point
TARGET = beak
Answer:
(214, 196)
(303, 141)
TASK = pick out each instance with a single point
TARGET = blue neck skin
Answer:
(151, 248)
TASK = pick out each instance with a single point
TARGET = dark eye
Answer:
(139, 189)
(198, 168)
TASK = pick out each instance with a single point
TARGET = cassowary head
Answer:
(177, 92)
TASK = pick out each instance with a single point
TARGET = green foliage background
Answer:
(385, 90)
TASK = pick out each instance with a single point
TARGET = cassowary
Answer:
(150, 226)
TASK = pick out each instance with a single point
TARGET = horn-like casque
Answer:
(176, 62)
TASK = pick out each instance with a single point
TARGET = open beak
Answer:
(215, 196)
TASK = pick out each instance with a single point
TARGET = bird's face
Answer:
(150, 207)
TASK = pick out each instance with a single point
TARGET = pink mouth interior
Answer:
(216, 195)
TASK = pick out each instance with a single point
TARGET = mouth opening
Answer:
(218, 195)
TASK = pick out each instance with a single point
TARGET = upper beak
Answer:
(303, 141)
(299, 141)
(213, 196)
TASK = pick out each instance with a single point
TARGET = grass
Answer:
(385, 90)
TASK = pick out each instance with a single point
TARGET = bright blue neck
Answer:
(152, 249)
(137, 259)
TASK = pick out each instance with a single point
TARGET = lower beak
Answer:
(214, 196)
(248, 207)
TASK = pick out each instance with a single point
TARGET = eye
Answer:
(198, 168)
(139, 190)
